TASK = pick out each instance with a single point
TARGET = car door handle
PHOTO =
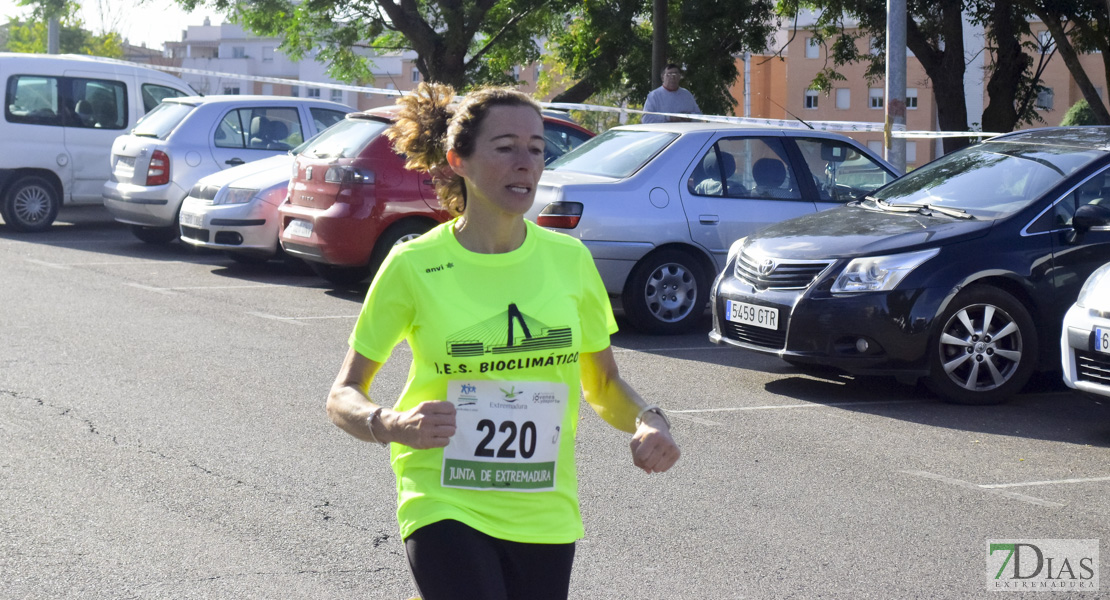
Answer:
(234, 162)
(709, 219)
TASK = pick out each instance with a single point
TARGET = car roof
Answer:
(1086, 137)
(712, 126)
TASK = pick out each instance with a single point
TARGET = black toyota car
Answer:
(960, 272)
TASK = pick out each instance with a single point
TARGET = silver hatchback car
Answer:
(184, 139)
(659, 205)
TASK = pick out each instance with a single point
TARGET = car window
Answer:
(325, 117)
(154, 94)
(33, 99)
(1095, 190)
(841, 172)
(161, 121)
(745, 168)
(615, 153)
(98, 103)
(560, 139)
(345, 139)
(990, 180)
(259, 128)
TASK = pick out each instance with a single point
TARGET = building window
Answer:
(875, 46)
(813, 50)
(1045, 38)
(539, 69)
(267, 53)
(238, 52)
(267, 89)
(1044, 99)
(516, 73)
(312, 92)
(337, 96)
(295, 90)
(231, 91)
(415, 75)
(875, 97)
(911, 98)
(911, 152)
(843, 98)
(811, 98)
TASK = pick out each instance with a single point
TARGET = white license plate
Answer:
(1102, 339)
(750, 314)
(191, 220)
(299, 228)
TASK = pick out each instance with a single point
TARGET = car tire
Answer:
(666, 293)
(156, 235)
(337, 275)
(31, 204)
(394, 235)
(984, 348)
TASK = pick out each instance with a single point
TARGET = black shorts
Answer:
(452, 561)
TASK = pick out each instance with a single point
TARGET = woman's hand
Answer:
(653, 448)
(427, 425)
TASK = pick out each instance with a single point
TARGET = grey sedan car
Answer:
(659, 205)
(184, 139)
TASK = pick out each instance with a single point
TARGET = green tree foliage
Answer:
(1080, 113)
(30, 37)
(606, 47)
(458, 43)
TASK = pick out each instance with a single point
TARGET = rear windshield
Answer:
(615, 153)
(989, 180)
(159, 122)
(345, 139)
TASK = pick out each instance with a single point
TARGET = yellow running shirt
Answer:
(500, 336)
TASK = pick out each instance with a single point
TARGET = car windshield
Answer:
(990, 180)
(158, 123)
(345, 139)
(616, 153)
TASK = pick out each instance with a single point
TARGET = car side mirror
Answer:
(1090, 215)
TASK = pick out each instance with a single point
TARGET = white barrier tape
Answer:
(898, 131)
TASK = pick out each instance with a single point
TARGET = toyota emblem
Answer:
(767, 267)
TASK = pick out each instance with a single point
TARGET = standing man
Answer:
(670, 98)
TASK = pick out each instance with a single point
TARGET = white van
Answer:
(61, 115)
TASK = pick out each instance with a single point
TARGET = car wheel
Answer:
(156, 235)
(396, 234)
(666, 293)
(31, 204)
(985, 348)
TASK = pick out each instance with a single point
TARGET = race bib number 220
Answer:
(507, 435)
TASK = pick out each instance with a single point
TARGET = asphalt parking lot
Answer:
(163, 436)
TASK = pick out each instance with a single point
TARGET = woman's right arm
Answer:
(427, 425)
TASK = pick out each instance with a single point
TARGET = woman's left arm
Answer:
(653, 448)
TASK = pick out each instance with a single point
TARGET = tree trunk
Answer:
(1067, 52)
(1001, 114)
(945, 69)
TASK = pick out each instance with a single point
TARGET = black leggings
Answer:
(452, 561)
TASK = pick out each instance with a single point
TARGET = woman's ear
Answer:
(455, 161)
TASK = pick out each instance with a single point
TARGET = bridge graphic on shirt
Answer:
(509, 332)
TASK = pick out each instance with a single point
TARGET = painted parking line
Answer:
(995, 486)
(43, 263)
(699, 348)
(150, 288)
(298, 320)
(985, 488)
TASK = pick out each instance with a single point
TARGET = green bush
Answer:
(1080, 113)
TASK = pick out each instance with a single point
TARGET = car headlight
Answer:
(734, 250)
(1099, 279)
(879, 273)
(236, 196)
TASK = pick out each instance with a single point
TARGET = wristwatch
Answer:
(652, 409)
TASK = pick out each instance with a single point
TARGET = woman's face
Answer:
(505, 167)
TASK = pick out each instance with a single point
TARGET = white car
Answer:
(1085, 341)
(184, 139)
(236, 210)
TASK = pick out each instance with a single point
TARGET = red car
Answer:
(351, 198)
